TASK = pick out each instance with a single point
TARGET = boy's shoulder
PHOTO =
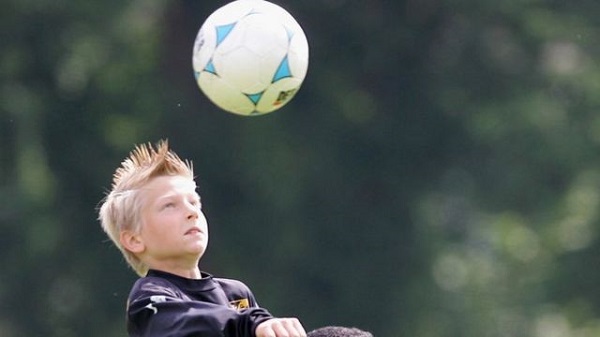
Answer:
(161, 283)
(233, 284)
(155, 285)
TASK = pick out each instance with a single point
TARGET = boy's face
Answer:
(174, 230)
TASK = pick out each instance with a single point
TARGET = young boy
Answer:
(153, 214)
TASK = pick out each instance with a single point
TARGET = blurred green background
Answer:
(438, 173)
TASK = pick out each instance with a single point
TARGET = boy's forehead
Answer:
(171, 183)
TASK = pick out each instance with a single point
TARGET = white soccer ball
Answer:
(250, 57)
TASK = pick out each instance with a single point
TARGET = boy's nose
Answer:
(193, 211)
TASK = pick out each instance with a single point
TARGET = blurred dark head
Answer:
(338, 331)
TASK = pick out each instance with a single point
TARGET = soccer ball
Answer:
(250, 57)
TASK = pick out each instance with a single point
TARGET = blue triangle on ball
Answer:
(255, 97)
(283, 70)
(223, 31)
(210, 67)
(290, 33)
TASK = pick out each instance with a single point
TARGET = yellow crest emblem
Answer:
(240, 304)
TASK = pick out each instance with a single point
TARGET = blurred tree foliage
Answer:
(436, 175)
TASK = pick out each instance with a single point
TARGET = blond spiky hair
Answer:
(121, 208)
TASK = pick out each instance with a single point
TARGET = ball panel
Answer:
(278, 94)
(298, 55)
(261, 30)
(224, 95)
(251, 54)
(204, 45)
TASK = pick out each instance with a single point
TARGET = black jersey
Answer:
(167, 305)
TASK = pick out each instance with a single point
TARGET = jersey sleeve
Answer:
(157, 310)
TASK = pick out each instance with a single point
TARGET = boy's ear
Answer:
(132, 242)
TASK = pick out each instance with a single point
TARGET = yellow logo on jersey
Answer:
(240, 304)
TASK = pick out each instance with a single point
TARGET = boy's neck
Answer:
(190, 272)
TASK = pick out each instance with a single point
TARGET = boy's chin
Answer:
(198, 250)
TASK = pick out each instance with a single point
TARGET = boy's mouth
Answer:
(193, 231)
